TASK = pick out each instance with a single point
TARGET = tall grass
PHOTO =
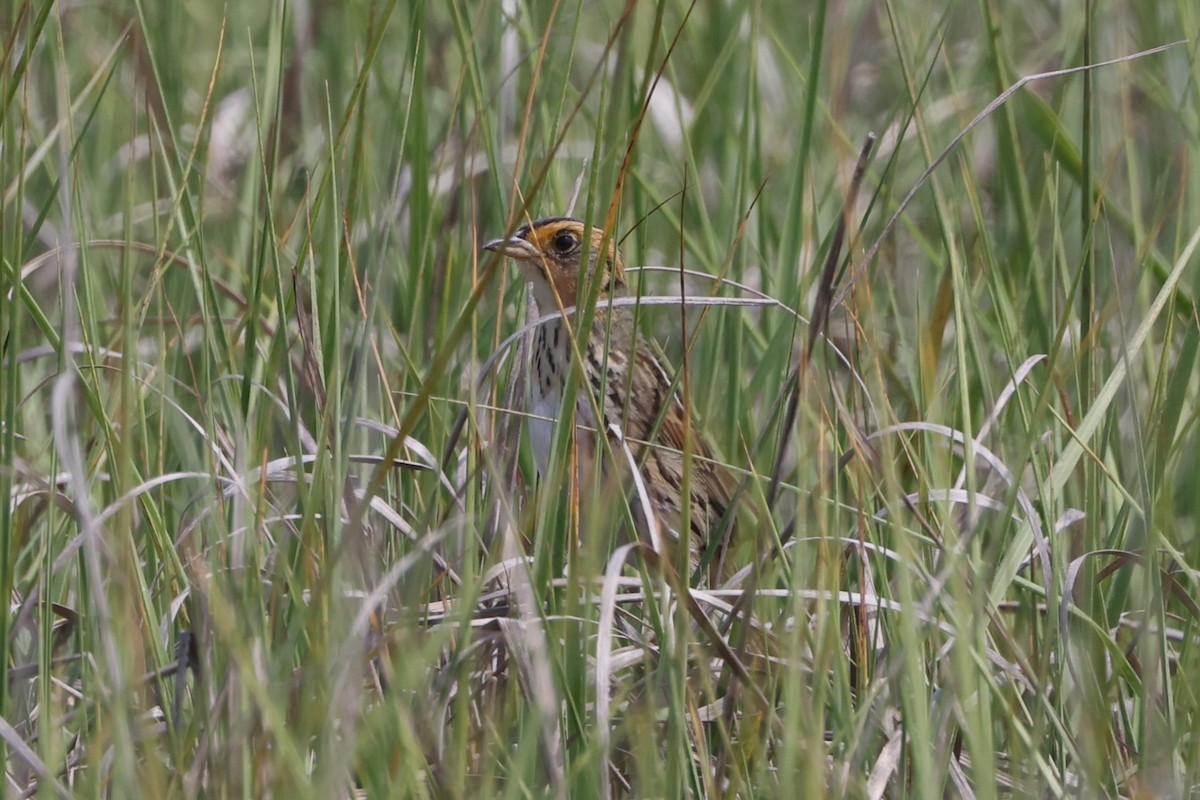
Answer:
(272, 528)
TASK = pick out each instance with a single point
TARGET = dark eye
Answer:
(564, 242)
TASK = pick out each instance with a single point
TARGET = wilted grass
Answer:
(272, 530)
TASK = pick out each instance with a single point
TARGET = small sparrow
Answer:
(630, 387)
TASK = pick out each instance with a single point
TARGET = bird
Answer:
(629, 387)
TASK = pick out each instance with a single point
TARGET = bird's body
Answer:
(625, 382)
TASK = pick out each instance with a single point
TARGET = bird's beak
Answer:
(514, 248)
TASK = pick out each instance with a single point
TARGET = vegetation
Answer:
(272, 529)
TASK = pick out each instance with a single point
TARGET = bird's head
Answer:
(550, 251)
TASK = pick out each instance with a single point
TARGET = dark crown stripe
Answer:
(523, 231)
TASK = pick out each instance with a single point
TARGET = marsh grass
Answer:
(272, 530)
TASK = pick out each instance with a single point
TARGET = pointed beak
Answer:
(513, 248)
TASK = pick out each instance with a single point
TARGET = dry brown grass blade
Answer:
(820, 316)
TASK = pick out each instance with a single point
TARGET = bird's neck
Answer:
(608, 322)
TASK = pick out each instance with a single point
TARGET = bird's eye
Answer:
(564, 242)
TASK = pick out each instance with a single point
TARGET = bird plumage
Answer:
(629, 386)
